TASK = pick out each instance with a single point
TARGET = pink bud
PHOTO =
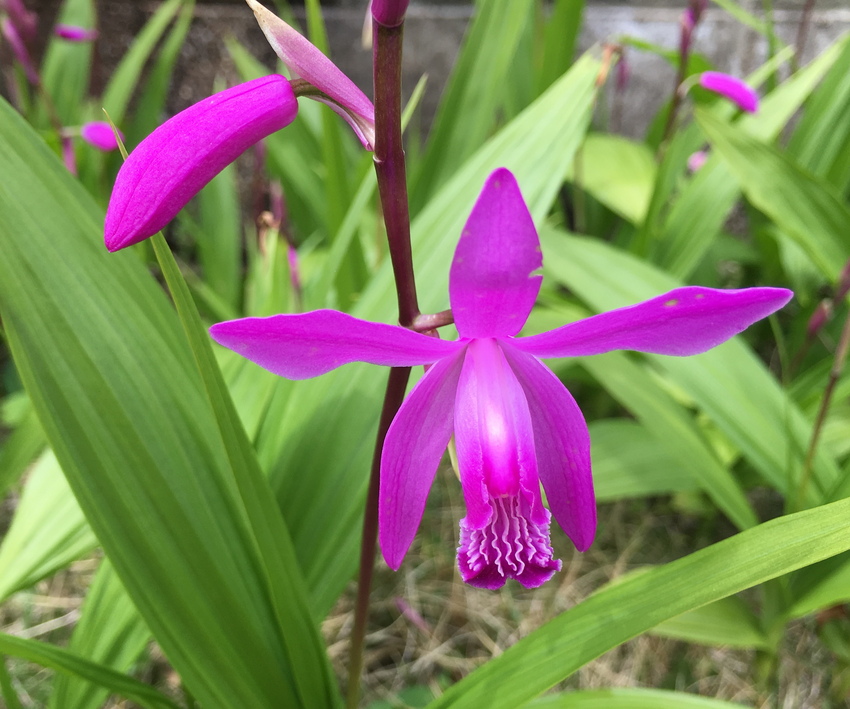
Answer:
(100, 135)
(389, 13)
(180, 157)
(305, 61)
(68, 156)
(75, 34)
(732, 88)
(697, 160)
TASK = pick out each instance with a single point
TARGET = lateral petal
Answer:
(173, 163)
(685, 321)
(415, 443)
(562, 443)
(492, 284)
(309, 344)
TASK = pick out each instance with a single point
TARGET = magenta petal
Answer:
(492, 284)
(414, 445)
(732, 88)
(563, 447)
(685, 321)
(309, 344)
(73, 33)
(100, 135)
(305, 61)
(180, 157)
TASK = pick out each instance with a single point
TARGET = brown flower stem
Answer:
(392, 188)
(389, 165)
(829, 390)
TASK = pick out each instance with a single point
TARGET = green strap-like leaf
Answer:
(805, 207)
(48, 530)
(56, 658)
(621, 698)
(110, 632)
(120, 398)
(624, 610)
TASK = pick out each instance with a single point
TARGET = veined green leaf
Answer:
(48, 530)
(628, 461)
(804, 207)
(624, 610)
(21, 448)
(147, 115)
(727, 621)
(621, 698)
(125, 78)
(67, 65)
(471, 99)
(110, 374)
(619, 172)
(110, 632)
(56, 658)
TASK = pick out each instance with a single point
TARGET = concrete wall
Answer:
(434, 30)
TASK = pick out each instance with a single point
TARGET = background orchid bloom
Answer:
(515, 424)
(100, 135)
(74, 33)
(179, 158)
(732, 88)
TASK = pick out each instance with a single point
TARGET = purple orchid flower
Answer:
(515, 424)
(73, 33)
(100, 135)
(732, 88)
(180, 157)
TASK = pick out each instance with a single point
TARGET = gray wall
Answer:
(434, 30)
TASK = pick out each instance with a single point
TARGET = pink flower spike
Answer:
(180, 157)
(389, 13)
(25, 21)
(100, 135)
(515, 424)
(19, 49)
(305, 61)
(732, 88)
(75, 34)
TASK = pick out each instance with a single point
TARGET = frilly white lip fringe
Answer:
(515, 424)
